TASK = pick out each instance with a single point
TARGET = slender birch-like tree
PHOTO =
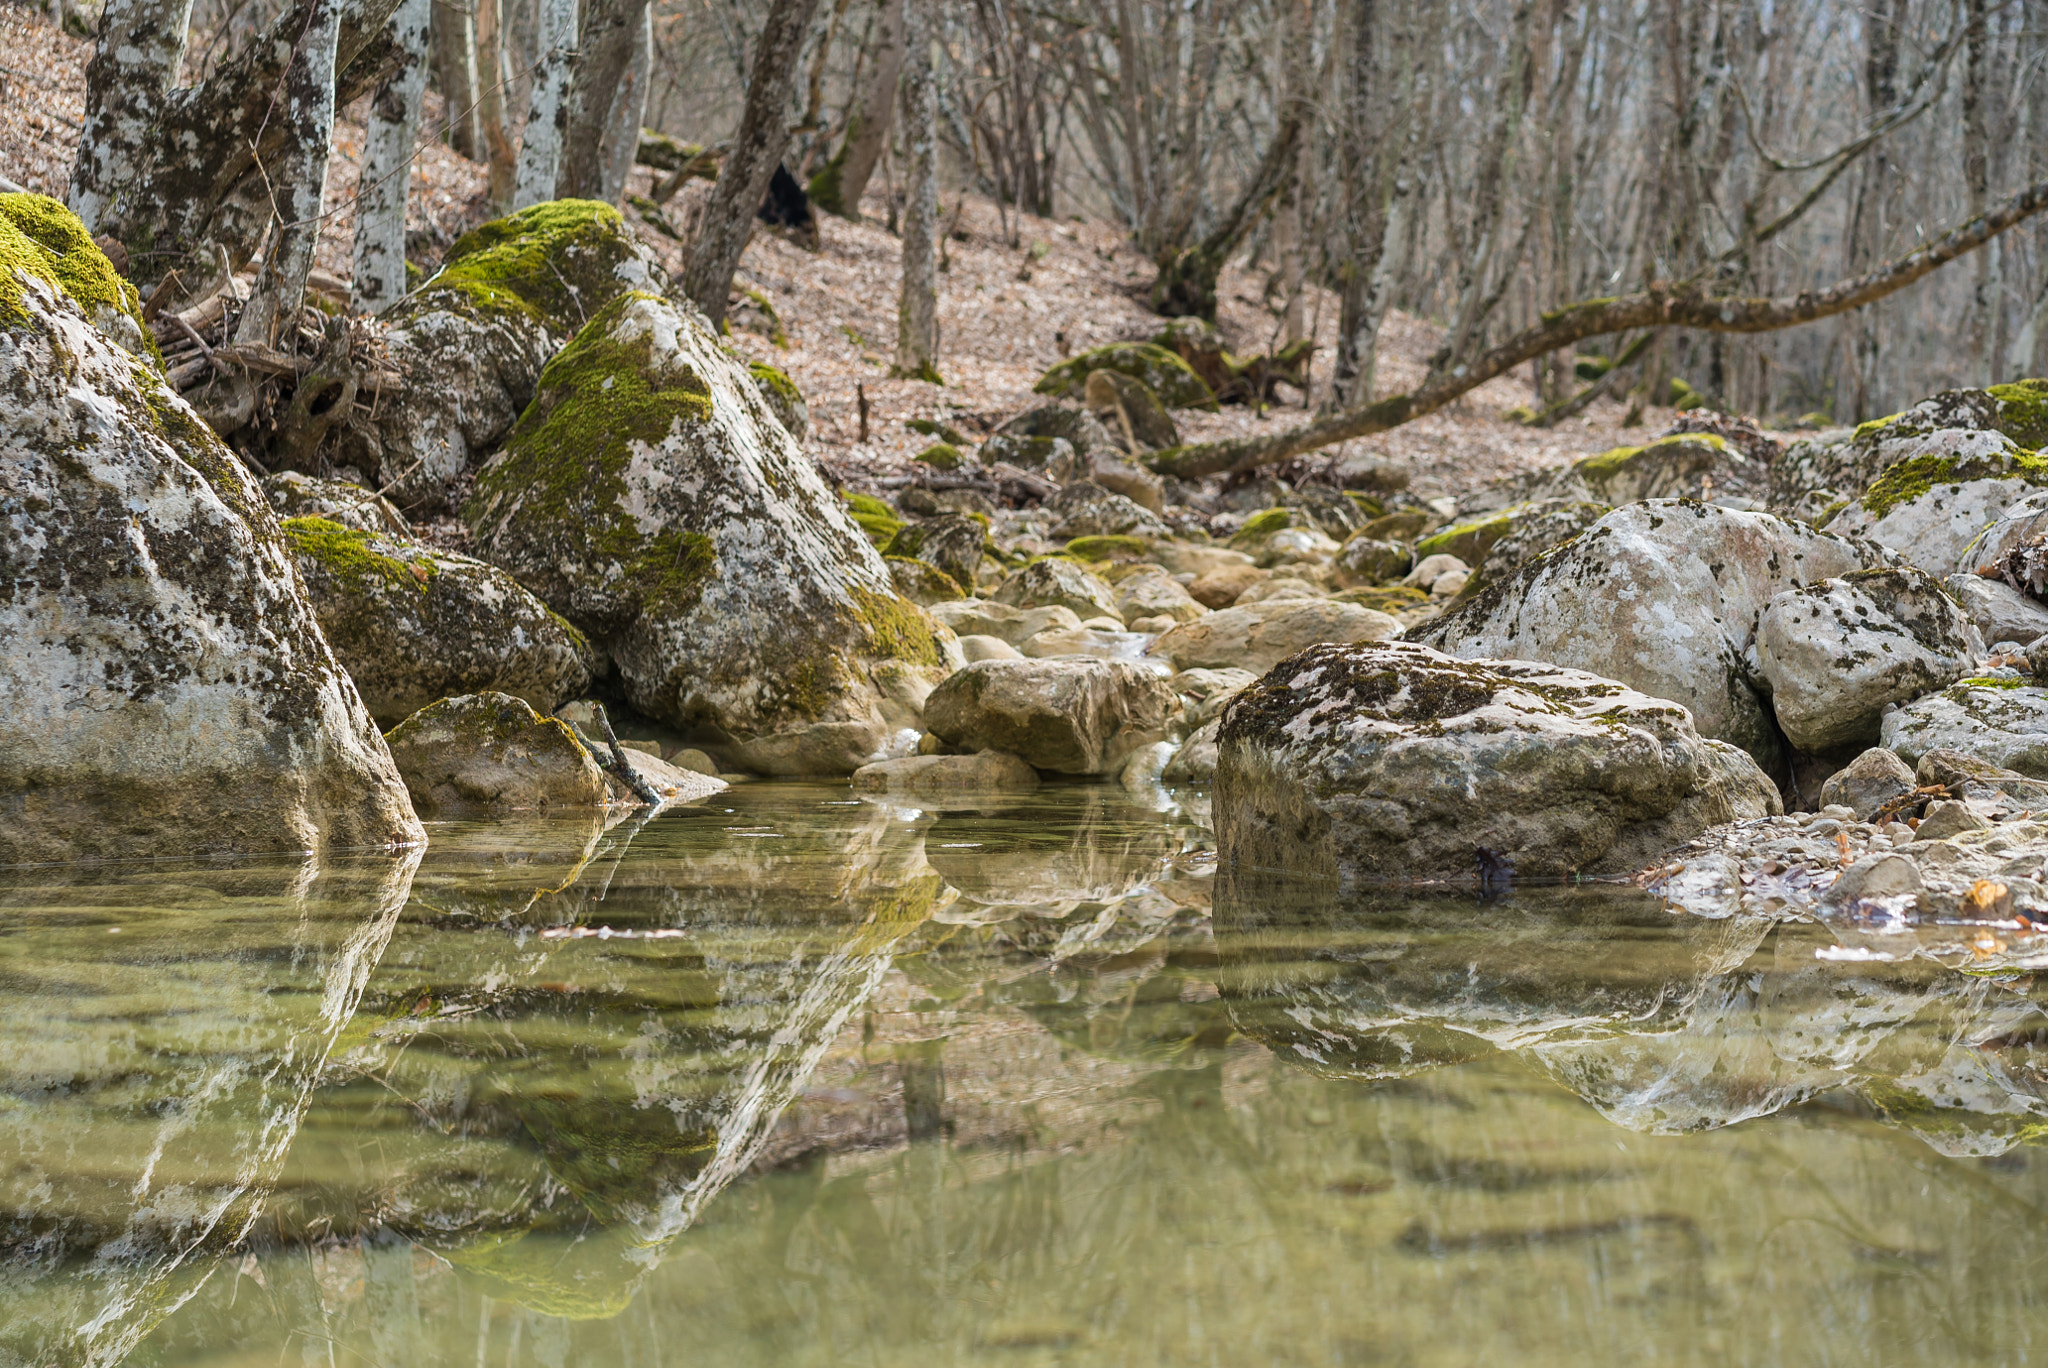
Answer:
(917, 307)
(378, 274)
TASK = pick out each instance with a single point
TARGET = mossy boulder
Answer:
(1171, 379)
(1130, 408)
(491, 752)
(1532, 529)
(42, 240)
(783, 398)
(647, 496)
(1946, 487)
(167, 689)
(471, 342)
(1392, 761)
(293, 495)
(1850, 462)
(1366, 560)
(922, 582)
(874, 518)
(413, 624)
(952, 541)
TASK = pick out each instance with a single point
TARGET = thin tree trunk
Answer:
(1362, 219)
(1869, 219)
(608, 37)
(1290, 226)
(547, 115)
(455, 57)
(869, 131)
(629, 112)
(298, 181)
(1977, 181)
(728, 219)
(491, 103)
(378, 277)
(134, 68)
(917, 309)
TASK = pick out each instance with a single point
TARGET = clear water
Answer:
(794, 1078)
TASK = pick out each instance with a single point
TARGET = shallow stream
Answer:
(793, 1077)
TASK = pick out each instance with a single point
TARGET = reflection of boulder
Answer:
(155, 1078)
(1089, 851)
(1665, 1024)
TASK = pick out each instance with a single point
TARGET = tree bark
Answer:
(845, 178)
(298, 182)
(133, 71)
(917, 308)
(1187, 279)
(547, 114)
(455, 60)
(378, 274)
(1660, 306)
(629, 111)
(610, 36)
(491, 103)
(757, 148)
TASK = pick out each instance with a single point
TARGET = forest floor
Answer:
(1018, 294)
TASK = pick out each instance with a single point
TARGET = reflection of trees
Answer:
(164, 1029)
(1666, 1023)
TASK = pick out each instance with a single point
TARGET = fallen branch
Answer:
(617, 764)
(1661, 306)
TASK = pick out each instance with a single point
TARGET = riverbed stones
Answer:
(1996, 720)
(648, 496)
(490, 752)
(1999, 611)
(1149, 592)
(164, 685)
(1056, 582)
(472, 340)
(947, 776)
(1072, 716)
(1391, 760)
(1223, 585)
(984, 617)
(1834, 653)
(1938, 498)
(1261, 635)
(1868, 782)
(1663, 597)
(413, 624)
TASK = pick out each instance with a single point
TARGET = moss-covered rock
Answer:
(293, 495)
(1940, 494)
(873, 517)
(1850, 462)
(473, 339)
(784, 399)
(952, 541)
(1165, 374)
(413, 624)
(1517, 535)
(941, 456)
(167, 687)
(491, 752)
(42, 240)
(645, 496)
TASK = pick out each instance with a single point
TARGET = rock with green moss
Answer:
(471, 342)
(1056, 582)
(1284, 536)
(1836, 653)
(880, 522)
(1069, 423)
(413, 624)
(1677, 465)
(1393, 761)
(42, 240)
(1532, 530)
(2002, 721)
(491, 752)
(1129, 408)
(1941, 493)
(952, 541)
(922, 582)
(1852, 461)
(648, 496)
(1065, 716)
(1171, 379)
(784, 399)
(1364, 560)
(1663, 596)
(293, 495)
(166, 687)
(1087, 509)
(941, 456)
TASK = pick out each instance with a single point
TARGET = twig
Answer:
(621, 766)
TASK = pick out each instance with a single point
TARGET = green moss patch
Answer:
(873, 517)
(1109, 548)
(522, 263)
(1910, 480)
(2023, 411)
(354, 558)
(897, 629)
(1262, 525)
(1162, 371)
(941, 456)
(776, 379)
(42, 239)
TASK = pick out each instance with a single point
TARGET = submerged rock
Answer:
(413, 624)
(1662, 596)
(473, 339)
(646, 495)
(164, 686)
(1392, 760)
(1833, 654)
(491, 752)
(1069, 716)
(947, 776)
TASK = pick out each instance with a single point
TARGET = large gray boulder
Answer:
(1067, 716)
(648, 495)
(1390, 760)
(472, 340)
(164, 686)
(1936, 501)
(490, 752)
(413, 624)
(1833, 654)
(1662, 596)
(1999, 611)
(1849, 462)
(2002, 721)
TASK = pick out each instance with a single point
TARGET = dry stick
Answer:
(1662, 305)
(622, 767)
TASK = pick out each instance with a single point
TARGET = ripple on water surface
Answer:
(792, 1077)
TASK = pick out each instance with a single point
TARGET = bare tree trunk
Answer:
(844, 180)
(608, 37)
(491, 103)
(298, 182)
(133, 71)
(728, 219)
(1361, 218)
(1868, 223)
(629, 112)
(1290, 226)
(378, 277)
(2029, 353)
(547, 116)
(917, 309)
(1977, 181)
(455, 58)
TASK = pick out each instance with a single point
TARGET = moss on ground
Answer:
(353, 557)
(42, 239)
